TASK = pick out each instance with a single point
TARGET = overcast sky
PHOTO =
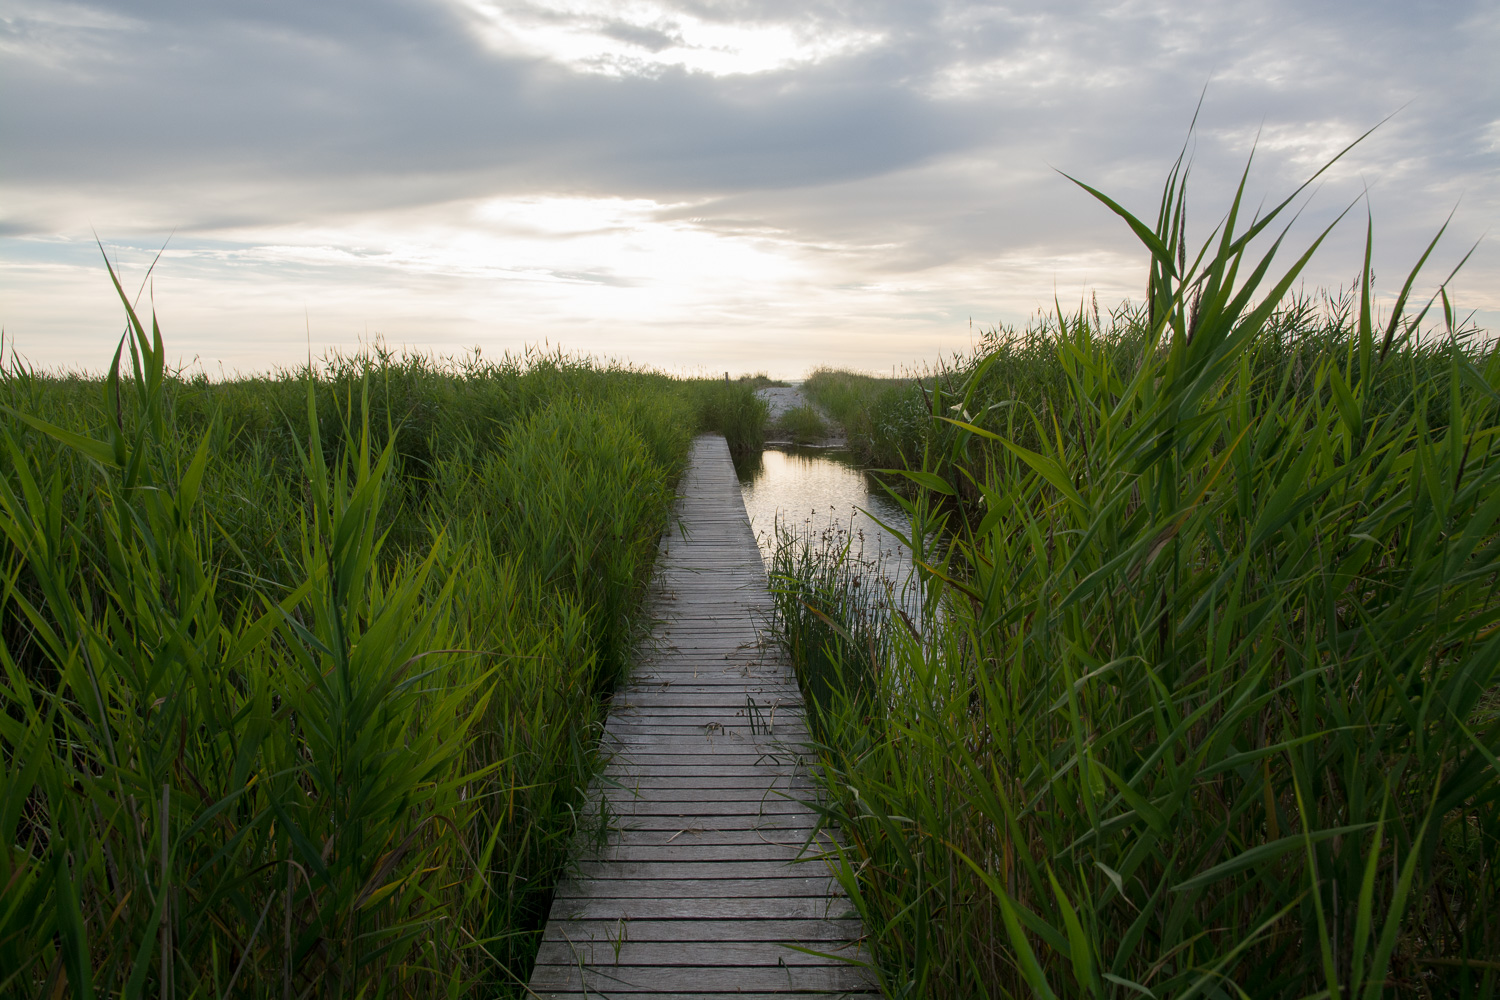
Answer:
(695, 184)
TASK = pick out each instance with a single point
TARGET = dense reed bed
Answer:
(733, 410)
(1203, 701)
(302, 674)
(884, 420)
(801, 425)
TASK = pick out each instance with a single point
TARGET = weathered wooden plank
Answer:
(726, 660)
(688, 778)
(728, 873)
(787, 838)
(732, 763)
(705, 574)
(714, 792)
(767, 823)
(707, 637)
(653, 739)
(721, 665)
(697, 680)
(620, 778)
(708, 907)
(748, 722)
(701, 709)
(730, 663)
(711, 644)
(691, 830)
(750, 675)
(658, 826)
(733, 798)
(769, 679)
(730, 701)
(705, 697)
(632, 806)
(690, 652)
(630, 779)
(708, 757)
(713, 747)
(749, 709)
(730, 715)
(803, 885)
(780, 829)
(737, 756)
(710, 728)
(742, 633)
(700, 723)
(801, 931)
(621, 772)
(705, 640)
(762, 685)
(702, 979)
(684, 850)
(604, 994)
(686, 953)
(667, 786)
(773, 827)
(772, 752)
(628, 742)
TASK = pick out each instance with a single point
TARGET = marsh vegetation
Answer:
(1202, 699)
(303, 674)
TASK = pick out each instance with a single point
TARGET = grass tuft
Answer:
(801, 425)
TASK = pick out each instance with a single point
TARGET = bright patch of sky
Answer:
(641, 38)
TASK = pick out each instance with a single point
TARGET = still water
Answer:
(815, 490)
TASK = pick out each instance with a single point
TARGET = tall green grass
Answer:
(732, 409)
(883, 419)
(802, 425)
(1204, 701)
(302, 674)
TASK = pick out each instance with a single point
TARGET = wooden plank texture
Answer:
(709, 878)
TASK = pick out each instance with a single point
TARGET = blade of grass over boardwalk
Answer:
(303, 674)
(1204, 698)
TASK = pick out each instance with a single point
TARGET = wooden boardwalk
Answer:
(704, 881)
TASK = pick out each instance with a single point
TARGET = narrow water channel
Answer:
(820, 492)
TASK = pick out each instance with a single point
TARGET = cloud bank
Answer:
(744, 185)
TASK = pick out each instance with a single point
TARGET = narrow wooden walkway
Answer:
(704, 882)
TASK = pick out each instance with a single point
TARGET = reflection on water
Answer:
(815, 489)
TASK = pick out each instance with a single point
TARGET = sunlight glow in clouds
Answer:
(572, 241)
(642, 37)
(562, 216)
